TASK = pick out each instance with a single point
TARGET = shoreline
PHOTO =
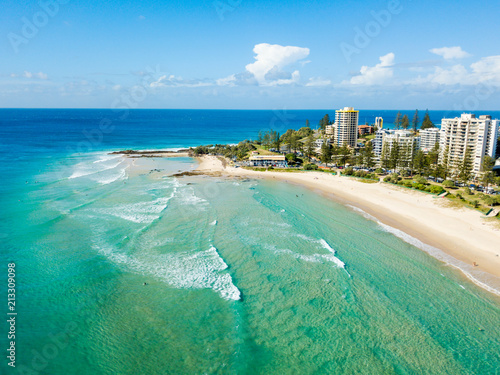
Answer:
(457, 237)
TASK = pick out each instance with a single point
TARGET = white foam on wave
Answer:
(168, 183)
(188, 197)
(108, 179)
(142, 212)
(106, 157)
(330, 249)
(86, 169)
(186, 270)
(313, 258)
(213, 222)
(434, 252)
(284, 225)
(325, 246)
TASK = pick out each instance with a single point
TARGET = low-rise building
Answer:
(318, 143)
(365, 129)
(268, 161)
(329, 131)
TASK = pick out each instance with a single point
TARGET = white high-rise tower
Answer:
(346, 127)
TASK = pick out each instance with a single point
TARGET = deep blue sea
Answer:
(242, 276)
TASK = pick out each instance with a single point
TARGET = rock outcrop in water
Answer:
(151, 153)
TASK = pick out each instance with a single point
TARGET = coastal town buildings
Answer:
(407, 144)
(428, 139)
(329, 131)
(365, 129)
(268, 161)
(346, 127)
(467, 137)
(318, 143)
(378, 141)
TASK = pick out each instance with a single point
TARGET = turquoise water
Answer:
(242, 277)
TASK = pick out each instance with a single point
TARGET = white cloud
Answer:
(286, 80)
(377, 74)
(318, 82)
(450, 53)
(173, 81)
(457, 74)
(240, 79)
(228, 81)
(29, 75)
(271, 59)
(486, 70)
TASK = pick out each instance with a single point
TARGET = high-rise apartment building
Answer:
(476, 137)
(346, 127)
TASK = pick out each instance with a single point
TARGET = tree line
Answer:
(403, 121)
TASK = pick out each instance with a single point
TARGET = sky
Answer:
(242, 54)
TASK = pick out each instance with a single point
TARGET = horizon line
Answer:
(248, 109)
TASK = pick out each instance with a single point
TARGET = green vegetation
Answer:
(448, 184)
(326, 153)
(479, 201)
(324, 122)
(427, 123)
(398, 121)
(487, 167)
(418, 183)
(293, 159)
(465, 167)
(412, 169)
(415, 121)
(362, 174)
(405, 122)
(269, 139)
(310, 167)
(240, 151)
(309, 147)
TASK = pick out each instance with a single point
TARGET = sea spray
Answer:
(186, 270)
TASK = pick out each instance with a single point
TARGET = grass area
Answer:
(450, 203)
(495, 221)
(473, 201)
(262, 151)
(363, 179)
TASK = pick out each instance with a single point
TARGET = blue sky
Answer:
(397, 54)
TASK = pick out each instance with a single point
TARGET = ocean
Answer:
(122, 268)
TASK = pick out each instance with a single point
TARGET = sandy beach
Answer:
(459, 233)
